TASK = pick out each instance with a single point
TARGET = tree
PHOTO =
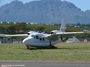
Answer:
(40, 29)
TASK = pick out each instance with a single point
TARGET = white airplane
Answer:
(36, 39)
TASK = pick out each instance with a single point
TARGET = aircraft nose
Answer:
(25, 41)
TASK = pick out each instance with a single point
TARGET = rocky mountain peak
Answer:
(43, 11)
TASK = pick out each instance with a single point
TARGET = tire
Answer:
(52, 47)
(27, 46)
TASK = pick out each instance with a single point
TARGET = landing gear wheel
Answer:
(27, 46)
(52, 47)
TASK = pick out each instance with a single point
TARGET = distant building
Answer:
(72, 40)
(85, 40)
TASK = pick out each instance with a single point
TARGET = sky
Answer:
(83, 4)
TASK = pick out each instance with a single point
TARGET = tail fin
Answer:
(63, 27)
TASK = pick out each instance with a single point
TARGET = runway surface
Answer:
(43, 64)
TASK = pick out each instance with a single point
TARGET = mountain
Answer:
(44, 11)
(87, 13)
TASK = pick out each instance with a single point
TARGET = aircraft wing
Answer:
(61, 33)
(69, 33)
(54, 36)
(13, 35)
(87, 31)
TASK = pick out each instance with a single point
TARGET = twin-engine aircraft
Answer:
(37, 39)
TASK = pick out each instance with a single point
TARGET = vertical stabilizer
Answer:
(62, 28)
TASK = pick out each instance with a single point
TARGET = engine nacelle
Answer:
(54, 31)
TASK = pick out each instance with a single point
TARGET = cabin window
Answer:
(33, 36)
(40, 38)
(37, 37)
(43, 39)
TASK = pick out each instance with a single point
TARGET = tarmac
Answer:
(43, 64)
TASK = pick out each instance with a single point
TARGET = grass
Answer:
(63, 52)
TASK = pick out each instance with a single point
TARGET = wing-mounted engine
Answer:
(31, 32)
(54, 31)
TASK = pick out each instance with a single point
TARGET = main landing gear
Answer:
(47, 47)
